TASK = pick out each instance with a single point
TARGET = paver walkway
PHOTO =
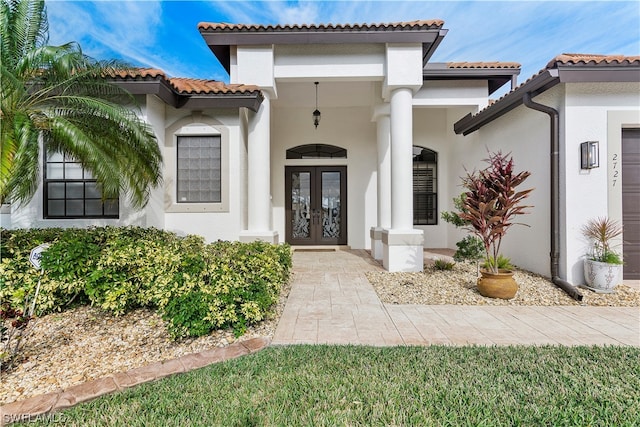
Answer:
(332, 302)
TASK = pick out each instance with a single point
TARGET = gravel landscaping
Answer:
(86, 343)
(458, 287)
(69, 348)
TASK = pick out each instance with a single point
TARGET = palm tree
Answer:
(60, 97)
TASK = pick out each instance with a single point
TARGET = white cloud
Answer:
(527, 32)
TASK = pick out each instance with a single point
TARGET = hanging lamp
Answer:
(316, 112)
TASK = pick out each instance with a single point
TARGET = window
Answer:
(316, 151)
(71, 192)
(197, 162)
(199, 169)
(425, 195)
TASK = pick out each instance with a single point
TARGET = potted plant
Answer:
(490, 205)
(602, 266)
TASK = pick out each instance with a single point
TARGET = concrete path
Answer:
(332, 302)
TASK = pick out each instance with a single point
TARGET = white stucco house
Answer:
(393, 132)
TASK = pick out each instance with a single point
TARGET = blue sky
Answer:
(163, 34)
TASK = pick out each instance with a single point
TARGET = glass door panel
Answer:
(315, 211)
(330, 204)
(301, 205)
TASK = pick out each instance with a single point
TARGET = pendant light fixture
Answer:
(316, 113)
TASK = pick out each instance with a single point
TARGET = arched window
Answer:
(425, 186)
(316, 151)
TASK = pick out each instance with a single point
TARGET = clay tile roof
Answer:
(418, 24)
(591, 59)
(186, 86)
(483, 65)
(198, 86)
(514, 98)
(140, 73)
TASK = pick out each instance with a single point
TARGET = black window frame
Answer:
(316, 151)
(84, 181)
(425, 203)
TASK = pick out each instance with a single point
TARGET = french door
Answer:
(316, 205)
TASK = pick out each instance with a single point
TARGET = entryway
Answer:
(316, 205)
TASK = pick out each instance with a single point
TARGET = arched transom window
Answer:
(316, 151)
(425, 186)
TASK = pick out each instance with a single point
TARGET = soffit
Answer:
(495, 73)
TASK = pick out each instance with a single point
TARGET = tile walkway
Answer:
(331, 302)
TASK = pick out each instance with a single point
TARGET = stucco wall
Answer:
(226, 224)
(329, 61)
(586, 112)
(430, 131)
(525, 134)
(349, 128)
(591, 110)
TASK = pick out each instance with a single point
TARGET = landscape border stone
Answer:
(37, 407)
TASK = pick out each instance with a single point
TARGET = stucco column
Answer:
(383, 183)
(401, 159)
(402, 245)
(259, 176)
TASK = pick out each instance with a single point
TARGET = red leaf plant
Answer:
(492, 202)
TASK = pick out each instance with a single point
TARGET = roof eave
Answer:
(167, 94)
(157, 87)
(428, 49)
(220, 42)
(542, 82)
(591, 74)
(535, 86)
(496, 77)
(251, 101)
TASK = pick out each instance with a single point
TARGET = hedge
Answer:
(195, 287)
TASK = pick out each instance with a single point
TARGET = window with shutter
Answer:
(425, 194)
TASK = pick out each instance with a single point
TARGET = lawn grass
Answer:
(371, 386)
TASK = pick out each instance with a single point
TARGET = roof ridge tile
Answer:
(223, 26)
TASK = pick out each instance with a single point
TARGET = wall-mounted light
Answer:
(589, 155)
(316, 113)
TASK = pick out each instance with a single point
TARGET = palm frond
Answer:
(63, 96)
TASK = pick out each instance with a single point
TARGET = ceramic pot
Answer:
(497, 285)
(601, 277)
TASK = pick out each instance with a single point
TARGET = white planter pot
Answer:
(602, 277)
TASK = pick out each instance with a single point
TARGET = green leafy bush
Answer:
(195, 287)
(501, 263)
(186, 315)
(469, 248)
(444, 265)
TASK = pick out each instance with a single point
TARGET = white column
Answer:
(259, 175)
(401, 159)
(384, 185)
(402, 244)
(384, 172)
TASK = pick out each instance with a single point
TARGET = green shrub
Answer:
(196, 287)
(186, 315)
(441, 264)
(502, 263)
(469, 248)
